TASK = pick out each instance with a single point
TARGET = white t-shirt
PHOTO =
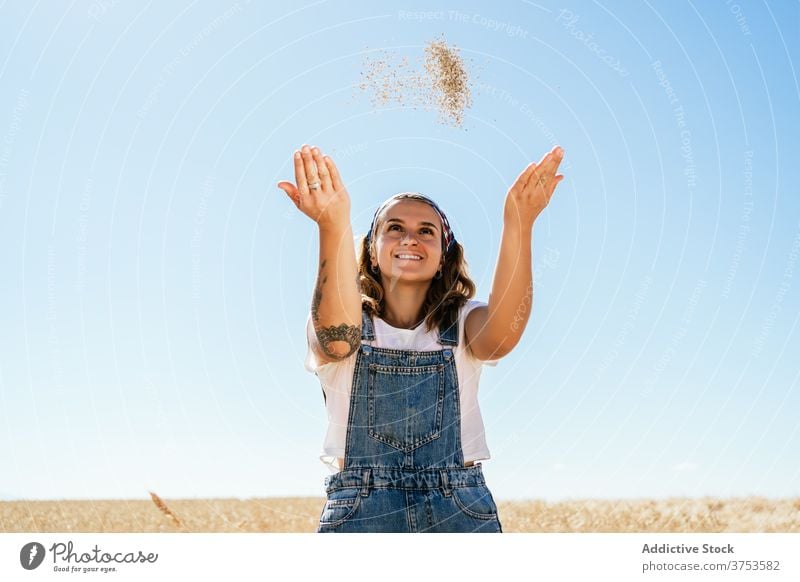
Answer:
(337, 382)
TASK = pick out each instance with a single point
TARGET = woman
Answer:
(405, 426)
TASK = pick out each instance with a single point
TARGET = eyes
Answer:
(426, 231)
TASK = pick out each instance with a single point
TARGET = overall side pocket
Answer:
(475, 501)
(340, 506)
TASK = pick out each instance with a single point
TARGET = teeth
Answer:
(409, 257)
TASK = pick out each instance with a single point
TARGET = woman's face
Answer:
(408, 244)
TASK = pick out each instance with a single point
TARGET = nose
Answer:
(408, 238)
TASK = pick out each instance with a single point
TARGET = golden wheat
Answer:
(300, 514)
(164, 509)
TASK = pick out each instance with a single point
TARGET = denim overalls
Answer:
(403, 464)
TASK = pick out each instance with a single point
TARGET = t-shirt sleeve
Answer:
(470, 305)
(312, 364)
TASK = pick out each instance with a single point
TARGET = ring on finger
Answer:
(314, 185)
(541, 180)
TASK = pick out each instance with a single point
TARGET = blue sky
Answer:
(156, 283)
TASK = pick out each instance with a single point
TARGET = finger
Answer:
(545, 157)
(336, 179)
(291, 191)
(539, 175)
(322, 168)
(553, 185)
(555, 159)
(309, 165)
(538, 181)
(523, 178)
(300, 175)
(547, 170)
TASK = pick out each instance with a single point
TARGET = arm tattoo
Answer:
(335, 333)
(321, 280)
(339, 333)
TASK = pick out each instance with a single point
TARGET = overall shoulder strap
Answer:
(367, 331)
(448, 336)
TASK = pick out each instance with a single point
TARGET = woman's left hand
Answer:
(531, 193)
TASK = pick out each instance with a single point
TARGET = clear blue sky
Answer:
(156, 283)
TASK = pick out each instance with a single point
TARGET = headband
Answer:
(447, 232)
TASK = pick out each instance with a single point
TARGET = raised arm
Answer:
(336, 304)
(493, 331)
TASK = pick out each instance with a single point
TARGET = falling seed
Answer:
(440, 82)
(450, 82)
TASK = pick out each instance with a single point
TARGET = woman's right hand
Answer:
(329, 203)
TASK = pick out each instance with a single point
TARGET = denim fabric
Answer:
(404, 466)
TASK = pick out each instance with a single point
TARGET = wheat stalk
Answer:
(164, 509)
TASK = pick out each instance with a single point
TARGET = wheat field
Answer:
(300, 515)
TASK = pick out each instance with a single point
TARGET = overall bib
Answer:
(403, 464)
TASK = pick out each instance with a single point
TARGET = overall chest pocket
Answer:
(405, 404)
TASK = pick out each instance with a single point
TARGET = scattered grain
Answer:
(441, 81)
